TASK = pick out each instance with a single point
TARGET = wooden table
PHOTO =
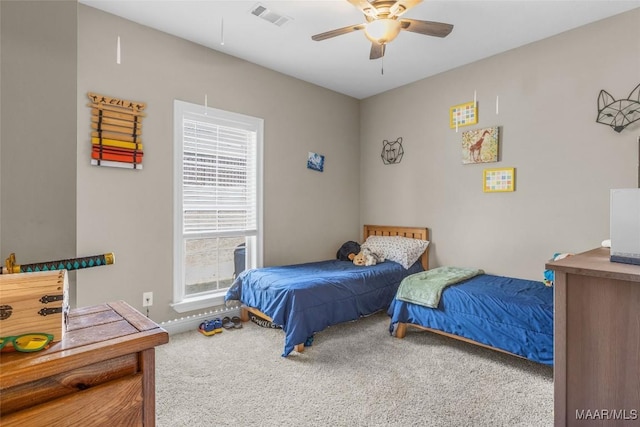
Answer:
(597, 341)
(101, 373)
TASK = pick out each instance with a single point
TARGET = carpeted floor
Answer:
(355, 374)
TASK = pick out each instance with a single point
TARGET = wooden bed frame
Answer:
(369, 230)
(401, 332)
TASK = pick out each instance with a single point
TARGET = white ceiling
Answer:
(481, 29)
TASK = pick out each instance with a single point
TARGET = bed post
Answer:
(401, 330)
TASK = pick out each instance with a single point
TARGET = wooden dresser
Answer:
(101, 373)
(597, 341)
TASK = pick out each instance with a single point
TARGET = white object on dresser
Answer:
(625, 225)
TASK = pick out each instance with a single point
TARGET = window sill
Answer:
(199, 303)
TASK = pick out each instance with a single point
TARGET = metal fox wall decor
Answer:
(618, 113)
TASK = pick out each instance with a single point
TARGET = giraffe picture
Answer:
(480, 145)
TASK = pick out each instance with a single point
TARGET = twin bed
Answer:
(506, 314)
(511, 315)
(307, 298)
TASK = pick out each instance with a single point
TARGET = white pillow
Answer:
(403, 250)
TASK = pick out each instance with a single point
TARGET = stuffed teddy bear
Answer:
(366, 257)
(348, 251)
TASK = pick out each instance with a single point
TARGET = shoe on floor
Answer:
(227, 323)
(210, 327)
(237, 322)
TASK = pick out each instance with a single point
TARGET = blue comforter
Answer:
(307, 298)
(514, 315)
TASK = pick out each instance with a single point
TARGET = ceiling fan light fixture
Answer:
(382, 31)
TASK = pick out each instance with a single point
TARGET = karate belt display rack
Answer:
(116, 125)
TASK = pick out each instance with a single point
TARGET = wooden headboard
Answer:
(392, 230)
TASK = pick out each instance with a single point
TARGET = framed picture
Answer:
(315, 161)
(499, 180)
(480, 145)
(463, 115)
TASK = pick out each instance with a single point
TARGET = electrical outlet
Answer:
(147, 299)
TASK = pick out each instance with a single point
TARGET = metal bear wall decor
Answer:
(392, 152)
(618, 113)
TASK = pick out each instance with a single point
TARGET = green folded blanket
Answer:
(425, 288)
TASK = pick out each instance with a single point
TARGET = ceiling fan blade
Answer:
(366, 7)
(401, 6)
(377, 51)
(337, 32)
(428, 28)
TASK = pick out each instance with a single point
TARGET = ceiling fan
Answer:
(384, 24)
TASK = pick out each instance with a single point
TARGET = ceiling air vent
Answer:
(269, 15)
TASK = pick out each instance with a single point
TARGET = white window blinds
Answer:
(219, 177)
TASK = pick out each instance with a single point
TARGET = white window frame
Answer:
(182, 302)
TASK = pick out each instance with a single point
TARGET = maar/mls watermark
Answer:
(606, 414)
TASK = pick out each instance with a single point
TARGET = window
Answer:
(218, 202)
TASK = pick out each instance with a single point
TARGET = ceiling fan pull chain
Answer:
(382, 66)
(222, 31)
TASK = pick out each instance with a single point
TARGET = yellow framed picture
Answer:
(499, 180)
(463, 115)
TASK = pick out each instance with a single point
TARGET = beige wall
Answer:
(38, 133)
(307, 214)
(1, 252)
(565, 162)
